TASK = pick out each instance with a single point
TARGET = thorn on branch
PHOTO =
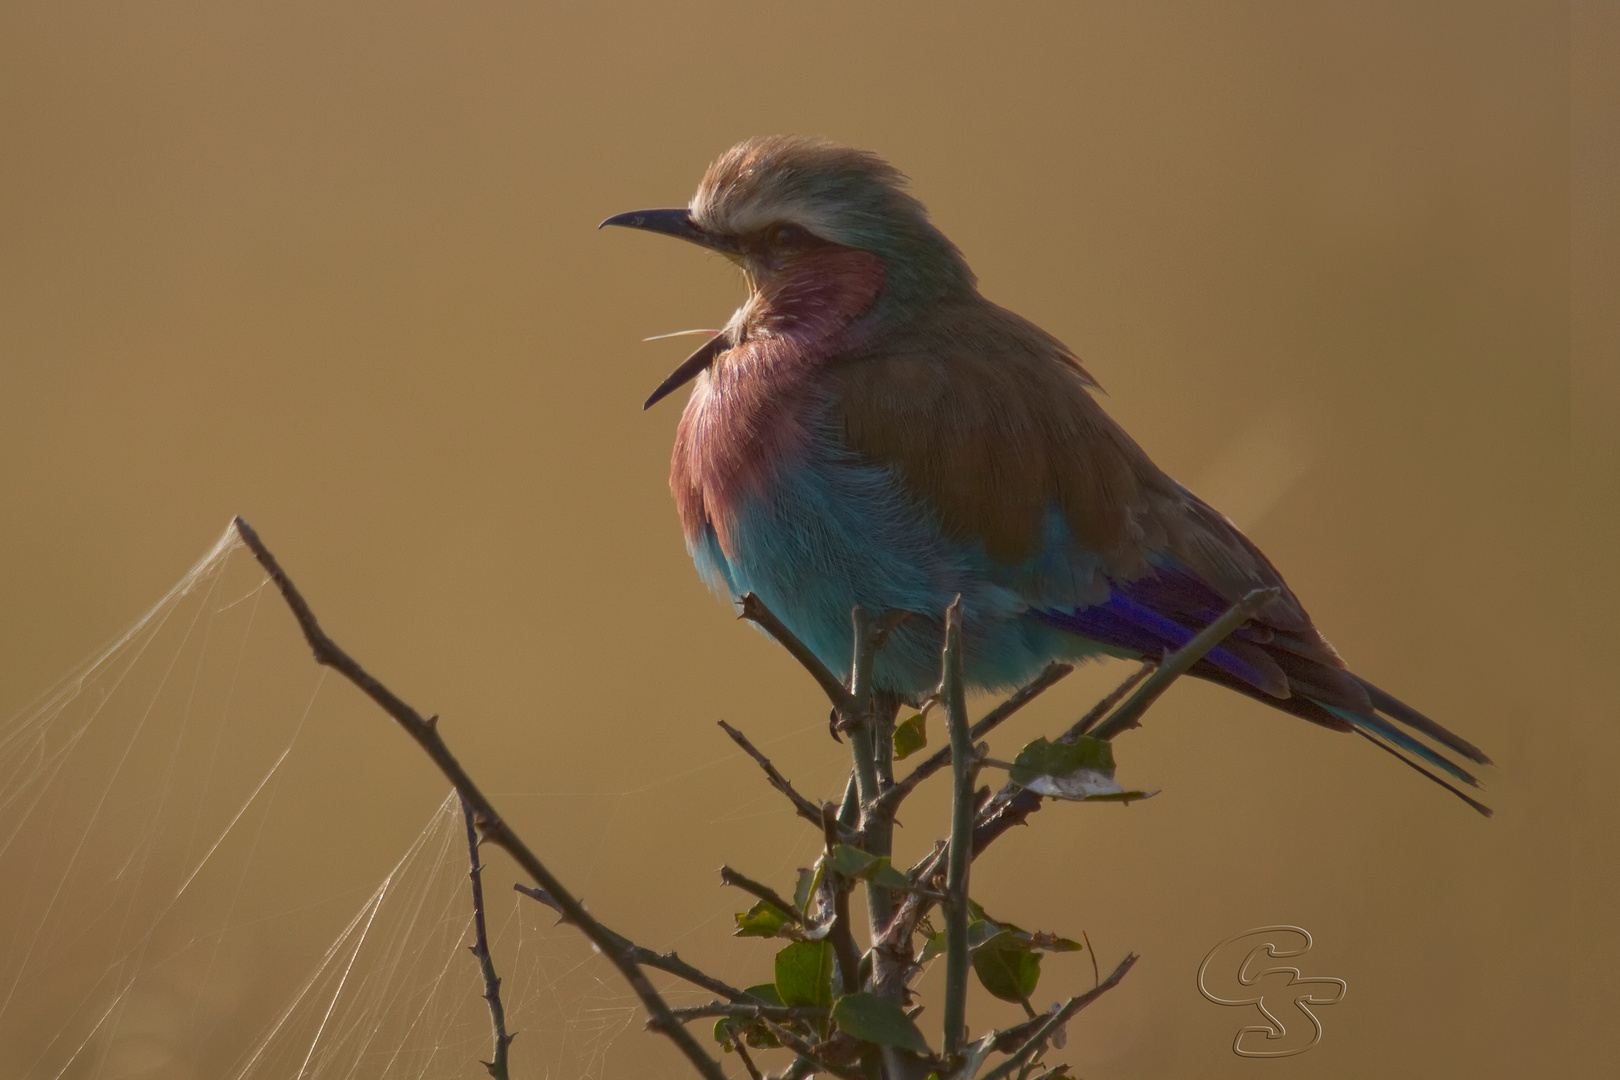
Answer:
(801, 805)
(963, 765)
(808, 1053)
(1029, 1042)
(1099, 710)
(1175, 665)
(640, 954)
(1048, 678)
(754, 610)
(748, 1062)
(731, 877)
(497, 1066)
(538, 894)
(427, 737)
(839, 934)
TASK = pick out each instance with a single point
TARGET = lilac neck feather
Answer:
(751, 412)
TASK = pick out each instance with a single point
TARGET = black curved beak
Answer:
(676, 222)
(690, 369)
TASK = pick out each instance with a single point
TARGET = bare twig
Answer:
(670, 961)
(748, 1062)
(1012, 805)
(754, 610)
(1053, 672)
(839, 935)
(493, 828)
(1099, 710)
(1044, 1032)
(876, 830)
(801, 805)
(956, 874)
(808, 1052)
(728, 876)
(1176, 664)
(1048, 1074)
(486, 964)
(752, 1012)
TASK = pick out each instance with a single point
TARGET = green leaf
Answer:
(765, 992)
(1042, 758)
(910, 736)
(806, 888)
(728, 1030)
(980, 931)
(764, 919)
(852, 862)
(882, 873)
(1007, 967)
(934, 947)
(1082, 772)
(804, 973)
(875, 1020)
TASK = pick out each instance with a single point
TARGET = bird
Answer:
(868, 429)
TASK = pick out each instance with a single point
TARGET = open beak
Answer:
(677, 223)
(690, 368)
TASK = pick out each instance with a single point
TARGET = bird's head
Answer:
(784, 207)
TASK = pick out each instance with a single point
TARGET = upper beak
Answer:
(676, 222)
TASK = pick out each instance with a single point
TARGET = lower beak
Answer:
(677, 223)
(691, 368)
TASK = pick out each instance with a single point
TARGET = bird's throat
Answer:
(815, 299)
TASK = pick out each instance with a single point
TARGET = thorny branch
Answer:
(808, 1054)
(839, 935)
(963, 772)
(754, 610)
(489, 822)
(670, 961)
(1012, 805)
(486, 964)
(1175, 665)
(891, 799)
(731, 877)
(801, 805)
(752, 1012)
(1042, 1034)
(864, 820)
(1084, 725)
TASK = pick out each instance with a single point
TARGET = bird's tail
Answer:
(1296, 672)
(1374, 725)
(1386, 736)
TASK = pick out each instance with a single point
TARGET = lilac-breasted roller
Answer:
(869, 430)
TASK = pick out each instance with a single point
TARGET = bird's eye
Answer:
(783, 235)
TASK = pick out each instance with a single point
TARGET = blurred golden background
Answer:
(336, 269)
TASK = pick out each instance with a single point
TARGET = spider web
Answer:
(181, 894)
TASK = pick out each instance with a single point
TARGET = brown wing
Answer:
(991, 422)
